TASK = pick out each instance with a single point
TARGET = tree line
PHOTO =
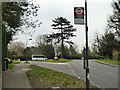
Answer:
(14, 16)
(104, 46)
(108, 44)
(18, 50)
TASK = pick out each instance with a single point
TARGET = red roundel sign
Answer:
(79, 15)
(78, 11)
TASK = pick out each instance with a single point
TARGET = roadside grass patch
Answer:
(27, 62)
(110, 61)
(16, 62)
(11, 65)
(46, 78)
(57, 61)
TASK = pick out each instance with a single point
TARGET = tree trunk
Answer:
(62, 45)
(115, 54)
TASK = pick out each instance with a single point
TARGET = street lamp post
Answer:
(26, 48)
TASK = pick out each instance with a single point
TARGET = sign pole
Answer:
(84, 59)
(79, 19)
(1, 61)
(87, 64)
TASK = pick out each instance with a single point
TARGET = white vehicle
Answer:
(39, 57)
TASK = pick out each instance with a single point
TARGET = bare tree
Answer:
(114, 20)
(17, 48)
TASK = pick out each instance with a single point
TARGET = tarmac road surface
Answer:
(101, 75)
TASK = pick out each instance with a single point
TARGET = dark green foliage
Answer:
(73, 54)
(114, 23)
(69, 52)
(66, 51)
(4, 45)
(108, 43)
(43, 49)
(15, 14)
(28, 53)
(47, 50)
(11, 12)
(65, 32)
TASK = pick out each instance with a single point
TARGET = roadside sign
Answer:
(79, 15)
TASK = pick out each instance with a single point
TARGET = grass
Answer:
(110, 61)
(16, 62)
(11, 65)
(57, 61)
(46, 78)
(27, 62)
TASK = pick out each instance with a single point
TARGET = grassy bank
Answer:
(47, 78)
(110, 61)
(11, 65)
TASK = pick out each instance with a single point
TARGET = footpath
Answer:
(16, 78)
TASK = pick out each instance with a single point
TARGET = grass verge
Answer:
(16, 62)
(57, 61)
(27, 62)
(110, 61)
(11, 65)
(46, 78)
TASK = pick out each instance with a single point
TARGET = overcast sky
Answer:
(98, 13)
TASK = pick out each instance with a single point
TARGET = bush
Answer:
(94, 56)
(119, 56)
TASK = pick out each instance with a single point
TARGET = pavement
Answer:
(16, 78)
(0, 82)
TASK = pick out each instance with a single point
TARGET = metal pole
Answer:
(26, 48)
(26, 51)
(84, 59)
(87, 65)
(1, 61)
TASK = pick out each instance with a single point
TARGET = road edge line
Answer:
(73, 71)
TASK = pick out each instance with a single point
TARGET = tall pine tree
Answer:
(64, 32)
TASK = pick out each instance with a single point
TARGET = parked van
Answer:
(39, 57)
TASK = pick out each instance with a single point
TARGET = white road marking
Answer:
(73, 71)
(53, 63)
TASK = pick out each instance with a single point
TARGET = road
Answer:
(104, 76)
(101, 75)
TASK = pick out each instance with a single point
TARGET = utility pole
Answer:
(87, 63)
